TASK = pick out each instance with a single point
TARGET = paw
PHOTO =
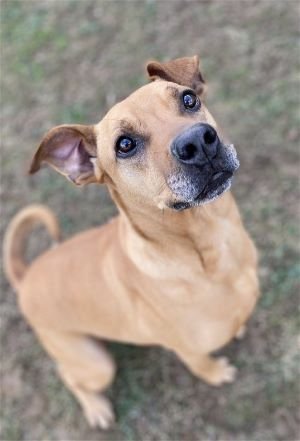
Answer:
(222, 372)
(241, 332)
(99, 412)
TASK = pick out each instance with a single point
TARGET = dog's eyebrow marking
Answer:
(135, 128)
(173, 91)
(128, 126)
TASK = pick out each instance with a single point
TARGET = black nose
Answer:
(196, 145)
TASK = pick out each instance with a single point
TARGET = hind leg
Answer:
(87, 369)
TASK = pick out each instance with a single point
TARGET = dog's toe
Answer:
(228, 370)
(223, 372)
(99, 412)
(241, 332)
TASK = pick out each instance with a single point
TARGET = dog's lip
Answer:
(215, 181)
(217, 175)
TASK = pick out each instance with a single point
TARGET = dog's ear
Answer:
(184, 71)
(72, 151)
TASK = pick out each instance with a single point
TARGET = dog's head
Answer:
(160, 146)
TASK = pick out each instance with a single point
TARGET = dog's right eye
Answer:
(190, 101)
(125, 146)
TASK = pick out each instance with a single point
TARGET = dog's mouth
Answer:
(218, 183)
(194, 186)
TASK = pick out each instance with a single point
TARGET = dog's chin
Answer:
(215, 187)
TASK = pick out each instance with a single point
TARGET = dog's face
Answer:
(162, 147)
(159, 147)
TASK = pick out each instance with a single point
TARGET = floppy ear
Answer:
(184, 71)
(72, 151)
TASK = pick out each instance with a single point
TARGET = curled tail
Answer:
(14, 239)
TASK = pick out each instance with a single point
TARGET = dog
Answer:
(175, 268)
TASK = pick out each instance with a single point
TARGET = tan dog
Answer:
(170, 269)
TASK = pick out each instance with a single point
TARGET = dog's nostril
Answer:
(209, 137)
(188, 152)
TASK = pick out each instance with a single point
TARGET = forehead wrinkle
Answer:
(136, 125)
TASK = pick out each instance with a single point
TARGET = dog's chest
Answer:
(202, 290)
(203, 312)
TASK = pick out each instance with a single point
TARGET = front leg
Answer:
(214, 371)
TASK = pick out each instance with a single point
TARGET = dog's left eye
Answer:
(125, 146)
(190, 101)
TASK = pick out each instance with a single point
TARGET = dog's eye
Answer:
(125, 146)
(190, 100)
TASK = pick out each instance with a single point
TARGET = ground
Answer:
(69, 61)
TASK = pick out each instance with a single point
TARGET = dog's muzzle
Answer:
(205, 166)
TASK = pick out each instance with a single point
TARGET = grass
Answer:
(69, 62)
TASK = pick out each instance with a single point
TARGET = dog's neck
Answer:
(156, 226)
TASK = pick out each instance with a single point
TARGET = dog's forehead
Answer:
(150, 99)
